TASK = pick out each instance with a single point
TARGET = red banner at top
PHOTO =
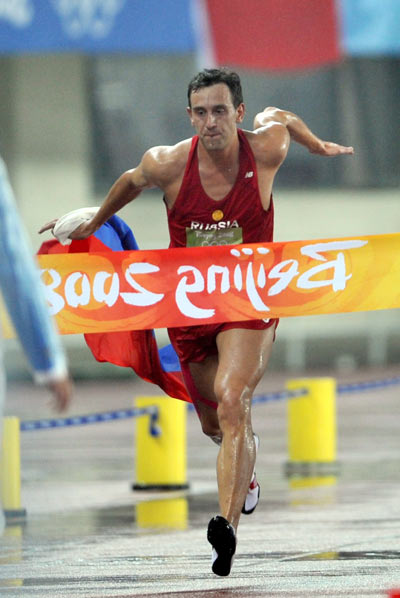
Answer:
(271, 34)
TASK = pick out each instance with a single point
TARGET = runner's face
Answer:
(214, 116)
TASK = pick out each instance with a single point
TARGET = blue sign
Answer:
(370, 27)
(139, 26)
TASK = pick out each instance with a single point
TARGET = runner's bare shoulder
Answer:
(165, 164)
(269, 143)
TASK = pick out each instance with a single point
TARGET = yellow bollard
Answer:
(169, 513)
(160, 462)
(312, 427)
(10, 470)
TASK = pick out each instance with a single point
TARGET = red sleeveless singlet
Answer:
(198, 220)
(195, 220)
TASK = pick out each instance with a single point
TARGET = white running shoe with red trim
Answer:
(253, 493)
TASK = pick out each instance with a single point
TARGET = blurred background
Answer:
(87, 87)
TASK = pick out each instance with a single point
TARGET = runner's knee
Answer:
(233, 408)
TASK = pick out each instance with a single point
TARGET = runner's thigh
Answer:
(243, 356)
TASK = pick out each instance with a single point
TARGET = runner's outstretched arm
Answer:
(299, 132)
(125, 189)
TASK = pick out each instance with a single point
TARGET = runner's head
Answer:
(208, 77)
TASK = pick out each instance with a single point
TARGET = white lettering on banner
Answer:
(99, 293)
(88, 17)
(185, 306)
(143, 297)
(338, 265)
(211, 279)
(314, 250)
(261, 278)
(338, 281)
(252, 293)
(238, 278)
(193, 282)
(55, 300)
(71, 296)
(285, 276)
(18, 12)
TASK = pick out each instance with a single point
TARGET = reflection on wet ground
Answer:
(87, 534)
(346, 555)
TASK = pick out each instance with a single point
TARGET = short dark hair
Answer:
(208, 77)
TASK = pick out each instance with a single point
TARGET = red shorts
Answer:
(195, 343)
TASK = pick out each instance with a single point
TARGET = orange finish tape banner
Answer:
(137, 290)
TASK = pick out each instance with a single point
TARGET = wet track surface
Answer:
(87, 534)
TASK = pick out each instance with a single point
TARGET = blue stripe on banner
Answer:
(150, 26)
(370, 27)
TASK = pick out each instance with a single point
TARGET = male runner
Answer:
(218, 190)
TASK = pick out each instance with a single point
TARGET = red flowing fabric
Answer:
(136, 349)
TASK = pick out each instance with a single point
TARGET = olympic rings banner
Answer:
(137, 290)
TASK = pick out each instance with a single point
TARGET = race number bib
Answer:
(206, 238)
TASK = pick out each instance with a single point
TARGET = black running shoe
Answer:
(222, 538)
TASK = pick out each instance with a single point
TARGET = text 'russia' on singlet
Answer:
(198, 220)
